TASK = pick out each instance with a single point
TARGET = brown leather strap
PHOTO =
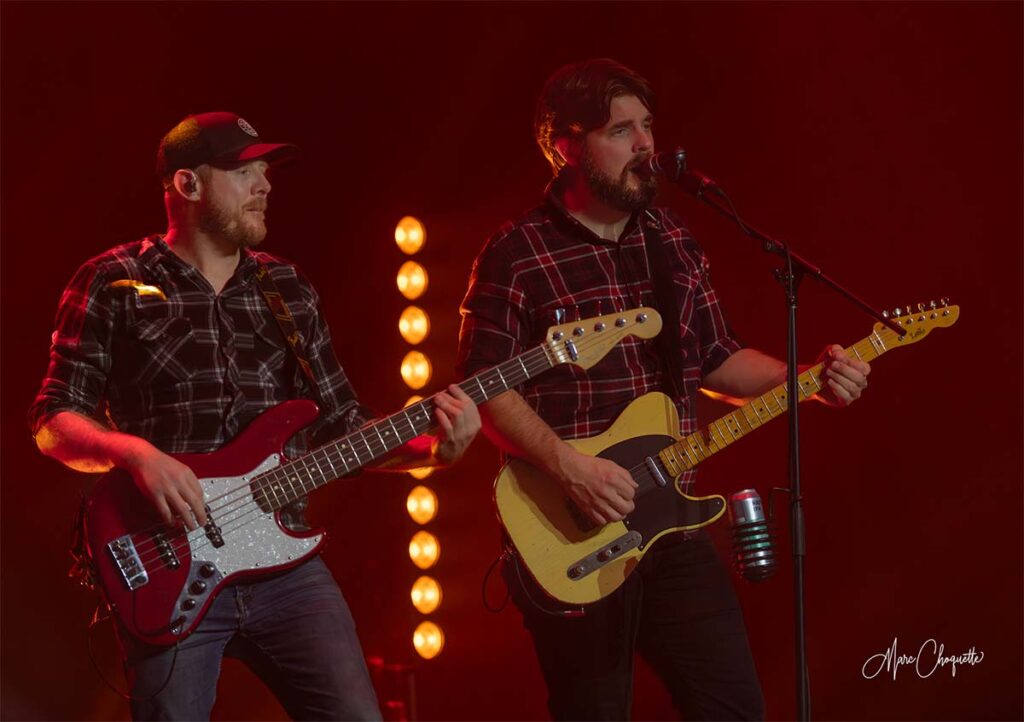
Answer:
(279, 309)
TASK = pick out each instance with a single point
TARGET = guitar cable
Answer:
(501, 558)
(564, 613)
(98, 617)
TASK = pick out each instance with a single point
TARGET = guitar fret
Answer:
(398, 437)
(362, 437)
(327, 458)
(718, 442)
(526, 373)
(412, 426)
(319, 470)
(277, 502)
(694, 442)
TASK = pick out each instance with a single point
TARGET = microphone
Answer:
(751, 536)
(672, 165)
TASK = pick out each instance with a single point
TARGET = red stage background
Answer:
(882, 140)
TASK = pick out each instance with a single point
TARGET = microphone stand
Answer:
(790, 275)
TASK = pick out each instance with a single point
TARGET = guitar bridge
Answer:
(608, 553)
(128, 562)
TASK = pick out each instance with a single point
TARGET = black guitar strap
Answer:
(279, 309)
(668, 341)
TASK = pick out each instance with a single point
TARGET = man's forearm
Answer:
(746, 373)
(84, 444)
(510, 424)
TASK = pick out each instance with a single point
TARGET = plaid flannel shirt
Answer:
(547, 268)
(180, 366)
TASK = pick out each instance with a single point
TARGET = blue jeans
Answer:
(678, 610)
(294, 631)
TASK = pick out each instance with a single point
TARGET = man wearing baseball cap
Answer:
(168, 346)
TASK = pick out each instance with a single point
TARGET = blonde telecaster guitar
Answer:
(578, 562)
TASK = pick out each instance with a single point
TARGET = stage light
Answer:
(412, 280)
(421, 504)
(428, 639)
(416, 370)
(426, 595)
(424, 549)
(414, 324)
(410, 235)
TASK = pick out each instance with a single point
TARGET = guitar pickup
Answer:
(166, 551)
(212, 531)
(608, 553)
(128, 562)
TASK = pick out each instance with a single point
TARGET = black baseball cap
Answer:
(217, 139)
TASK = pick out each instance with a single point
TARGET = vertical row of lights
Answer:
(424, 548)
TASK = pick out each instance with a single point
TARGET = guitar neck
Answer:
(290, 481)
(689, 451)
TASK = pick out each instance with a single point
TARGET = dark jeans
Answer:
(679, 610)
(293, 630)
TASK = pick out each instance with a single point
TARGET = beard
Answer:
(237, 229)
(618, 192)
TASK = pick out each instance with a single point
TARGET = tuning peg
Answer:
(920, 307)
(885, 314)
(897, 311)
(944, 300)
(933, 305)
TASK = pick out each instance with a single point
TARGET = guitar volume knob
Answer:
(198, 586)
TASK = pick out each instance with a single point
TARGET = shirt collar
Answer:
(552, 196)
(155, 251)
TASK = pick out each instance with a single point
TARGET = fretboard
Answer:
(294, 479)
(689, 451)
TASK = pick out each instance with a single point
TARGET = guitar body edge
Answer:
(164, 609)
(548, 536)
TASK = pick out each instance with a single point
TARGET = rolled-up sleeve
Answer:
(495, 326)
(80, 355)
(717, 341)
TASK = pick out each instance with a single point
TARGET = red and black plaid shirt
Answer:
(189, 369)
(547, 268)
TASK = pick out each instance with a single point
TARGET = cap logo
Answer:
(247, 128)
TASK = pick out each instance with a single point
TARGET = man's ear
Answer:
(569, 149)
(187, 183)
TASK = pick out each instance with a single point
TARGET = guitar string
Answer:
(262, 483)
(639, 471)
(228, 526)
(538, 354)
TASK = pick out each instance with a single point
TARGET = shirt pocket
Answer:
(263, 353)
(160, 351)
